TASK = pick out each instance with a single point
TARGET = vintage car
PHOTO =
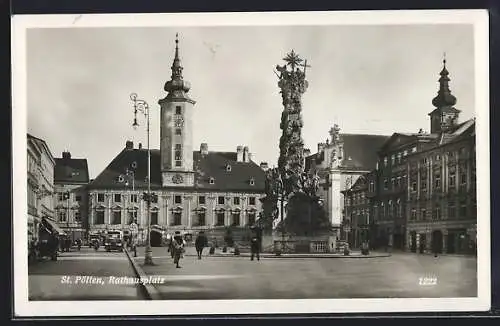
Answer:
(114, 240)
(93, 238)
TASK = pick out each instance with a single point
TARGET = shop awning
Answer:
(55, 227)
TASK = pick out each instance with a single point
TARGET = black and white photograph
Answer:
(233, 163)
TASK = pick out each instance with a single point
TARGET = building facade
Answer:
(71, 177)
(40, 186)
(340, 161)
(196, 189)
(424, 197)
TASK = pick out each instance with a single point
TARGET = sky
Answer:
(367, 79)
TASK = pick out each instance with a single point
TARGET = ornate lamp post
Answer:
(143, 107)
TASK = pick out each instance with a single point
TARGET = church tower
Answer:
(176, 136)
(445, 116)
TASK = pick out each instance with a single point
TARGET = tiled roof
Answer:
(71, 170)
(211, 165)
(362, 150)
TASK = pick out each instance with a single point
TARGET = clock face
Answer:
(177, 179)
(179, 122)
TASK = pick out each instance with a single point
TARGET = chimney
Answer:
(66, 155)
(264, 166)
(245, 154)
(204, 148)
(239, 154)
(129, 144)
(140, 145)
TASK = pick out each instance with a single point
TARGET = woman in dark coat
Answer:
(179, 244)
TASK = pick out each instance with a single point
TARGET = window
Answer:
(178, 155)
(414, 150)
(236, 200)
(60, 196)
(178, 199)
(413, 214)
(77, 216)
(437, 181)
(452, 178)
(405, 153)
(398, 182)
(236, 218)
(399, 158)
(100, 198)
(99, 217)
(178, 109)
(424, 161)
(463, 209)
(132, 215)
(201, 200)
(117, 198)
(133, 198)
(438, 157)
(463, 177)
(62, 216)
(451, 154)
(212, 181)
(154, 198)
(399, 209)
(220, 200)
(386, 184)
(177, 218)
(251, 200)
(385, 161)
(382, 211)
(117, 218)
(154, 218)
(178, 131)
(78, 198)
(423, 213)
(451, 210)
(228, 168)
(372, 186)
(251, 218)
(390, 208)
(437, 213)
(414, 186)
(252, 182)
(201, 219)
(423, 184)
(220, 218)
(393, 183)
(393, 159)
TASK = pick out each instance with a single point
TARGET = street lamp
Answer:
(143, 107)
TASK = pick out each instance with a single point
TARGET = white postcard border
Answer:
(25, 308)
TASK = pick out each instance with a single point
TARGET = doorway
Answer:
(437, 242)
(413, 241)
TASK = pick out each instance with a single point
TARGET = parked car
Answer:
(114, 240)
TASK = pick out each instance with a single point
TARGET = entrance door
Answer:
(451, 243)
(437, 242)
(155, 239)
(422, 243)
(413, 243)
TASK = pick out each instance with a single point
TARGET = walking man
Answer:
(134, 230)
(200, 243)
(255, 243)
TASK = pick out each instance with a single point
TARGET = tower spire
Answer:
(444, 97)
(177, 86)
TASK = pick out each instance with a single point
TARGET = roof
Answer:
(211, 165)
(42, 144)
(71, 171)
(361, 150)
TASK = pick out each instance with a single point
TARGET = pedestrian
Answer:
(200, 243)
(178, 244)
(254, 243)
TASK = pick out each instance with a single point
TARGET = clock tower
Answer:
(176, 137)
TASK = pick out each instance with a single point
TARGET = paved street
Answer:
(50, 280)
(287, 278)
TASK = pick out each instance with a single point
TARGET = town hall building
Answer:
(196, 189)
